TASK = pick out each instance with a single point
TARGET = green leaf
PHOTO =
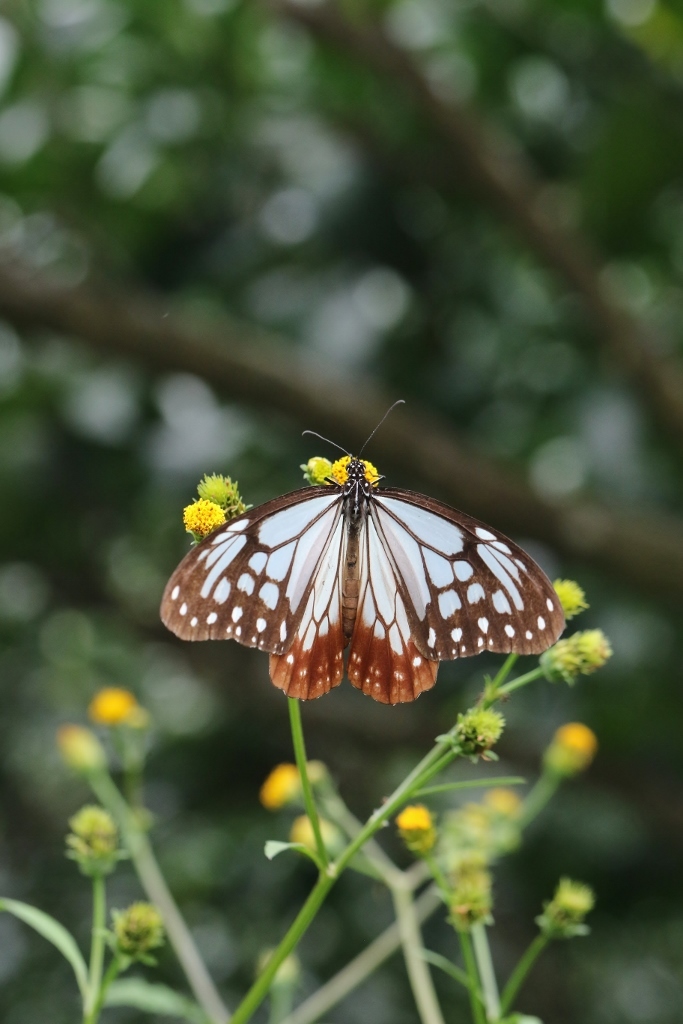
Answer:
(55, 933)
(142, 995)
(274, 847)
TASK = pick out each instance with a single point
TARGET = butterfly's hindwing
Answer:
(384, 661)
(470, 588)
(251, 580)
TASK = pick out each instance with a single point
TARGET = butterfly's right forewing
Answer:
(250, 580)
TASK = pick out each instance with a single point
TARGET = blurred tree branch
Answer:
(500, 173)
(251, 366)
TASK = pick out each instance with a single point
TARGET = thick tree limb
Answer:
(505, 180)
(251, 366)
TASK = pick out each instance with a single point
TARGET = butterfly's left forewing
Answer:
(252, 579)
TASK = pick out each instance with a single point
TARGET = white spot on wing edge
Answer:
(483, 624)
(510, 630)
(541, 622)
(550, 605)
(431, 639)
(484, 534)
(528, 634)
(211, 618)
(183, 609)
(237, 527)
(175, 592)
(260, 625)
(456, 634)
(236, 614)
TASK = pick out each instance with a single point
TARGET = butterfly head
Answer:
(350, 470)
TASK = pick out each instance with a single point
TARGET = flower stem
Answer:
(471, 968)
(259, 989)
(300, 755)
(487, 974)
(110, 975)
(521, 970)
(99, 920)
(418, 972)
(538, 797)
(516, 684)
(154, 884)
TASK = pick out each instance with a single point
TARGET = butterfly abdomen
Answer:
(351, 580)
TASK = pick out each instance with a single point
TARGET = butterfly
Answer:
(404, 579)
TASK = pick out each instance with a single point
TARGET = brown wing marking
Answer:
(383, 661)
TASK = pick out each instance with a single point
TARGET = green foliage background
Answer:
(224, 158)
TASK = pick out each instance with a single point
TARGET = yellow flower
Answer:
(417, 830)
(572, 597)
(579, 654)
(339, 471)
(282, 786)
(202, 517)
(113, 706)
(80, 748)
(504, 802)
(302, 832)
(573, 748)
(316, 470)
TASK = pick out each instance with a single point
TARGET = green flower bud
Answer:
(478, 729)
(316, 470)
(93, 841)
(578, 655)
(563, 916)
(222, 491)
(471, 899)
(572, 597)
(138, 930)
(81, 749)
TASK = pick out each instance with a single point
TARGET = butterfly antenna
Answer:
(326, 439)
(401, 401)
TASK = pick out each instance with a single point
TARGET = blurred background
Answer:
(223, 222)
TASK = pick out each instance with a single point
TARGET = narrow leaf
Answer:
(511, 780)
(142, 995)
(55, 933)
(446, 966)
(274, 847)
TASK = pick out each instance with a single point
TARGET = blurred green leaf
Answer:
(54, 932)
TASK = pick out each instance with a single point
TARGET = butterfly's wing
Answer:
(264, 577)
(467, 588)
(384, 660)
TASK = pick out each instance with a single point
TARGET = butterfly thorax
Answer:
(356, 492)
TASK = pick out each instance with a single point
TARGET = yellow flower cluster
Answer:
(302, 832)
(572, 597)
(573, 748)
(93, 841)
(416, 828)
(282, 786)
(138, 930)
(116, 706)
(202, 517)
(563, 916)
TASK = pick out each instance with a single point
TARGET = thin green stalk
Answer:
(521, 970)
(418, 972)
(110, 975)
(259, 990)
(487, 974)
(154, 884)
(445, 965)
(414, 780)
(504, 671)
(520, 681)
(300, 756)
(99, 920)
(538, 797)
(474, 987)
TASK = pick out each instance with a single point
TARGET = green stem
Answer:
(504, 671)
(444, 964)
(418, 972)
(154, 884)
(328, 877)
(111, 974)
(538, 797)
(516, 684)
(300, 755)
(99, 920)
(471, 968)
(487, 974)
(521, 970)
(259, 990)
